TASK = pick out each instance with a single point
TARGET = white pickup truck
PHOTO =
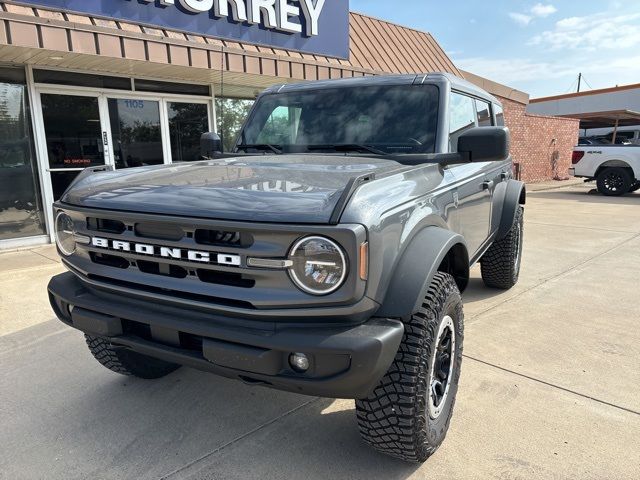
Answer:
(616, 168)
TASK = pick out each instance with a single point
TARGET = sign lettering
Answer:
(314, 26)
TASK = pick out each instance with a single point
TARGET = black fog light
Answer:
(65, 234)
(299, 362)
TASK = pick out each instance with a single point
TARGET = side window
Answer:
(281, 128)
(462, 117)
(499, 115)
(484, 113)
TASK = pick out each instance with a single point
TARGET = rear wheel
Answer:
(126, 362)
(500, 265)
(614, 181)
(408, 414)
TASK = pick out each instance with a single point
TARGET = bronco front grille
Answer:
(105, 225)
(201, 260)
(222, 238)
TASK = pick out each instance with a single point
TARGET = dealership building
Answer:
(126, 83)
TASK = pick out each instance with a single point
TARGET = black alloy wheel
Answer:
(614, 182)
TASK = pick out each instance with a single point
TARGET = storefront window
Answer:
(231, 114)
(135, 128)
(187, 123)
(21, 213)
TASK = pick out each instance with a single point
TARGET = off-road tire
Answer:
(395, 419)
(614, 181)
(126, 362)
(500, 265)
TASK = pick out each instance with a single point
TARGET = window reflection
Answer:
(187, 123)
(231, 114)
(135, 129)
(72, 128)
(21, 213)
(484, 113)
(499, 115)
(462, 118)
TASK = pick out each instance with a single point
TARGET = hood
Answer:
(283, 188)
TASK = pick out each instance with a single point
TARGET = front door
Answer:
(474, 192)
(474, 208)
(76, 135)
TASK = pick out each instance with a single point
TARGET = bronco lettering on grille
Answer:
(167, 252)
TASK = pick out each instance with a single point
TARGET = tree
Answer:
(231, 114)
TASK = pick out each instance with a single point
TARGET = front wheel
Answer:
(126, 362)
(408, 414)
(614, 181)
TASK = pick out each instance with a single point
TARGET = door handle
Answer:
(504, 176)
(488, 185)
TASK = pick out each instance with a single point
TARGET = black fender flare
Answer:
(507, 197)
(414, 272)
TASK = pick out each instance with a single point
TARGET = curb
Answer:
(543, 188)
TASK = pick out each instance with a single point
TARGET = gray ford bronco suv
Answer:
(325, 255)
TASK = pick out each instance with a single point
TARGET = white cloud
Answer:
(521, 18)
(514, 72)
(571, 22)
(592, 33)
(511, 71)
(541, 10)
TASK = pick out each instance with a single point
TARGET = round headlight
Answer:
(65, 234)
(319, 265)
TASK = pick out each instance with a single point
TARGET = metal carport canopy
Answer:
(613, 118)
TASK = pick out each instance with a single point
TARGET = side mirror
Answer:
(485, 144)
(210, 144)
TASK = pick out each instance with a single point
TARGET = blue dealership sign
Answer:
(313, 26)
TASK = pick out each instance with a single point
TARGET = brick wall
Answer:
(541, 145)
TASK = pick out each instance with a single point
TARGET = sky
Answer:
(537, 47)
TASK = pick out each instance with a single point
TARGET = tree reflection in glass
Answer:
(135, 129)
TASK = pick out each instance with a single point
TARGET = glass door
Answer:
(76, 137)
(136, 131)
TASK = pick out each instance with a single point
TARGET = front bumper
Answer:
(346, 361)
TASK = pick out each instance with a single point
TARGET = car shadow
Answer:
(477, 291)
(196, 425)
(319, 442)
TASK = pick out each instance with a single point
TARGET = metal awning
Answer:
(613, 118)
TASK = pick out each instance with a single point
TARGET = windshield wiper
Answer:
(260, 146)
(347, 147)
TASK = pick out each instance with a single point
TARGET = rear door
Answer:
(474, 184)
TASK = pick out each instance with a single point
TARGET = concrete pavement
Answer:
(550, 386)
(23, 287)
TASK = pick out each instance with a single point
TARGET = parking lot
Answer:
(550, 386)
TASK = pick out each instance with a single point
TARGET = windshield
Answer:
(377, 119)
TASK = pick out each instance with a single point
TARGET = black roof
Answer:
(456, 83)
